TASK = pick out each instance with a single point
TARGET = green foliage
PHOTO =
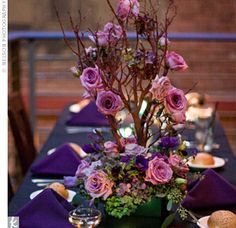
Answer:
(169, 219)
(120, 206)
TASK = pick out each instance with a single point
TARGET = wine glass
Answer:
(83, 217)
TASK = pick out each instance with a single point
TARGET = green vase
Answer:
(154, 208)
(148, 215)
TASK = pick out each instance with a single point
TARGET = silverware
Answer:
(46, 180)
(43, 184)
(74, 130)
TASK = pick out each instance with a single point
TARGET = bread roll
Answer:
(203, 159)
(78, 150)
(59, 188)
(222, 219)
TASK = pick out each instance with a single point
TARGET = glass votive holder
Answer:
(83, 217)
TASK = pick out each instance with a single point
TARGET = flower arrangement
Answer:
(120, 75)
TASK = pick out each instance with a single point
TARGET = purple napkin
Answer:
(64, 161)
(213, 191)
(88, 116)
(46, 210)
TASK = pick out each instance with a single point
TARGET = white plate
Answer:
(70, 197)
(51, 151)
(219, 162)
(202, 222)
(75, 108)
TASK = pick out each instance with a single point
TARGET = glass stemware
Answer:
(85, 217)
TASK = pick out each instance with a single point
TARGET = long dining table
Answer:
(61, 133)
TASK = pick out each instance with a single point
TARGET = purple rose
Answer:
(109, 103)
(133, 149)
(141, 163)
(169, 142)
(91, 79)
(111, 149)
(178, 165)
(98, 185)
(127, 8)
(176, 104)
(160, 87)
(114, 32)
(80, 172)
(100, 38)
(175, 61)
(158, 172)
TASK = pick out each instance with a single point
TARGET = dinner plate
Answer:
(219, 162)
(51, 151)
(70, 197)
(75, 108)
(202, 222)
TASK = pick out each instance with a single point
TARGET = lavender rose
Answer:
(159, 172)
(175, 61)
(111, 149)
(160, 87)
(100, 38)
(176, 104)
(114, 32)
(178, 165)
(127, 8)
(98, 185)
(109, 103)
(91, 79)
(134, 149)
(80, 172)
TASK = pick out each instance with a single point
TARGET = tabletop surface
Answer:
(59, 136)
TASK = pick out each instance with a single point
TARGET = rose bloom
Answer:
(114, 32)
(100, 38)
(163, 41)
(134, 149)
(111, 149)
(178, 165)
(129, 140)
(158, 172)
(175, 61)
(176, 104)
(82, 168)
(160, 87)
(109, 103)
(98, 185)
(91, 79)
(126, 8)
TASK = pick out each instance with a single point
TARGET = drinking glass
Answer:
(85, 217)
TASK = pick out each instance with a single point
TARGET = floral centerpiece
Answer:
(119, 74)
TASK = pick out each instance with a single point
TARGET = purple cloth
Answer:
(46, 210)
(213, 191)
(64, 161)
(88, 116)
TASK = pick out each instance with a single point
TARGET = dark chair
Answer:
(21, 131)
(10, 189)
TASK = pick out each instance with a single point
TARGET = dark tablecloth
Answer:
(59, 136)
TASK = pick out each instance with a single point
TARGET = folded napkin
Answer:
(88, 116)
(46, 210)
(64, 161)
(213, 191)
